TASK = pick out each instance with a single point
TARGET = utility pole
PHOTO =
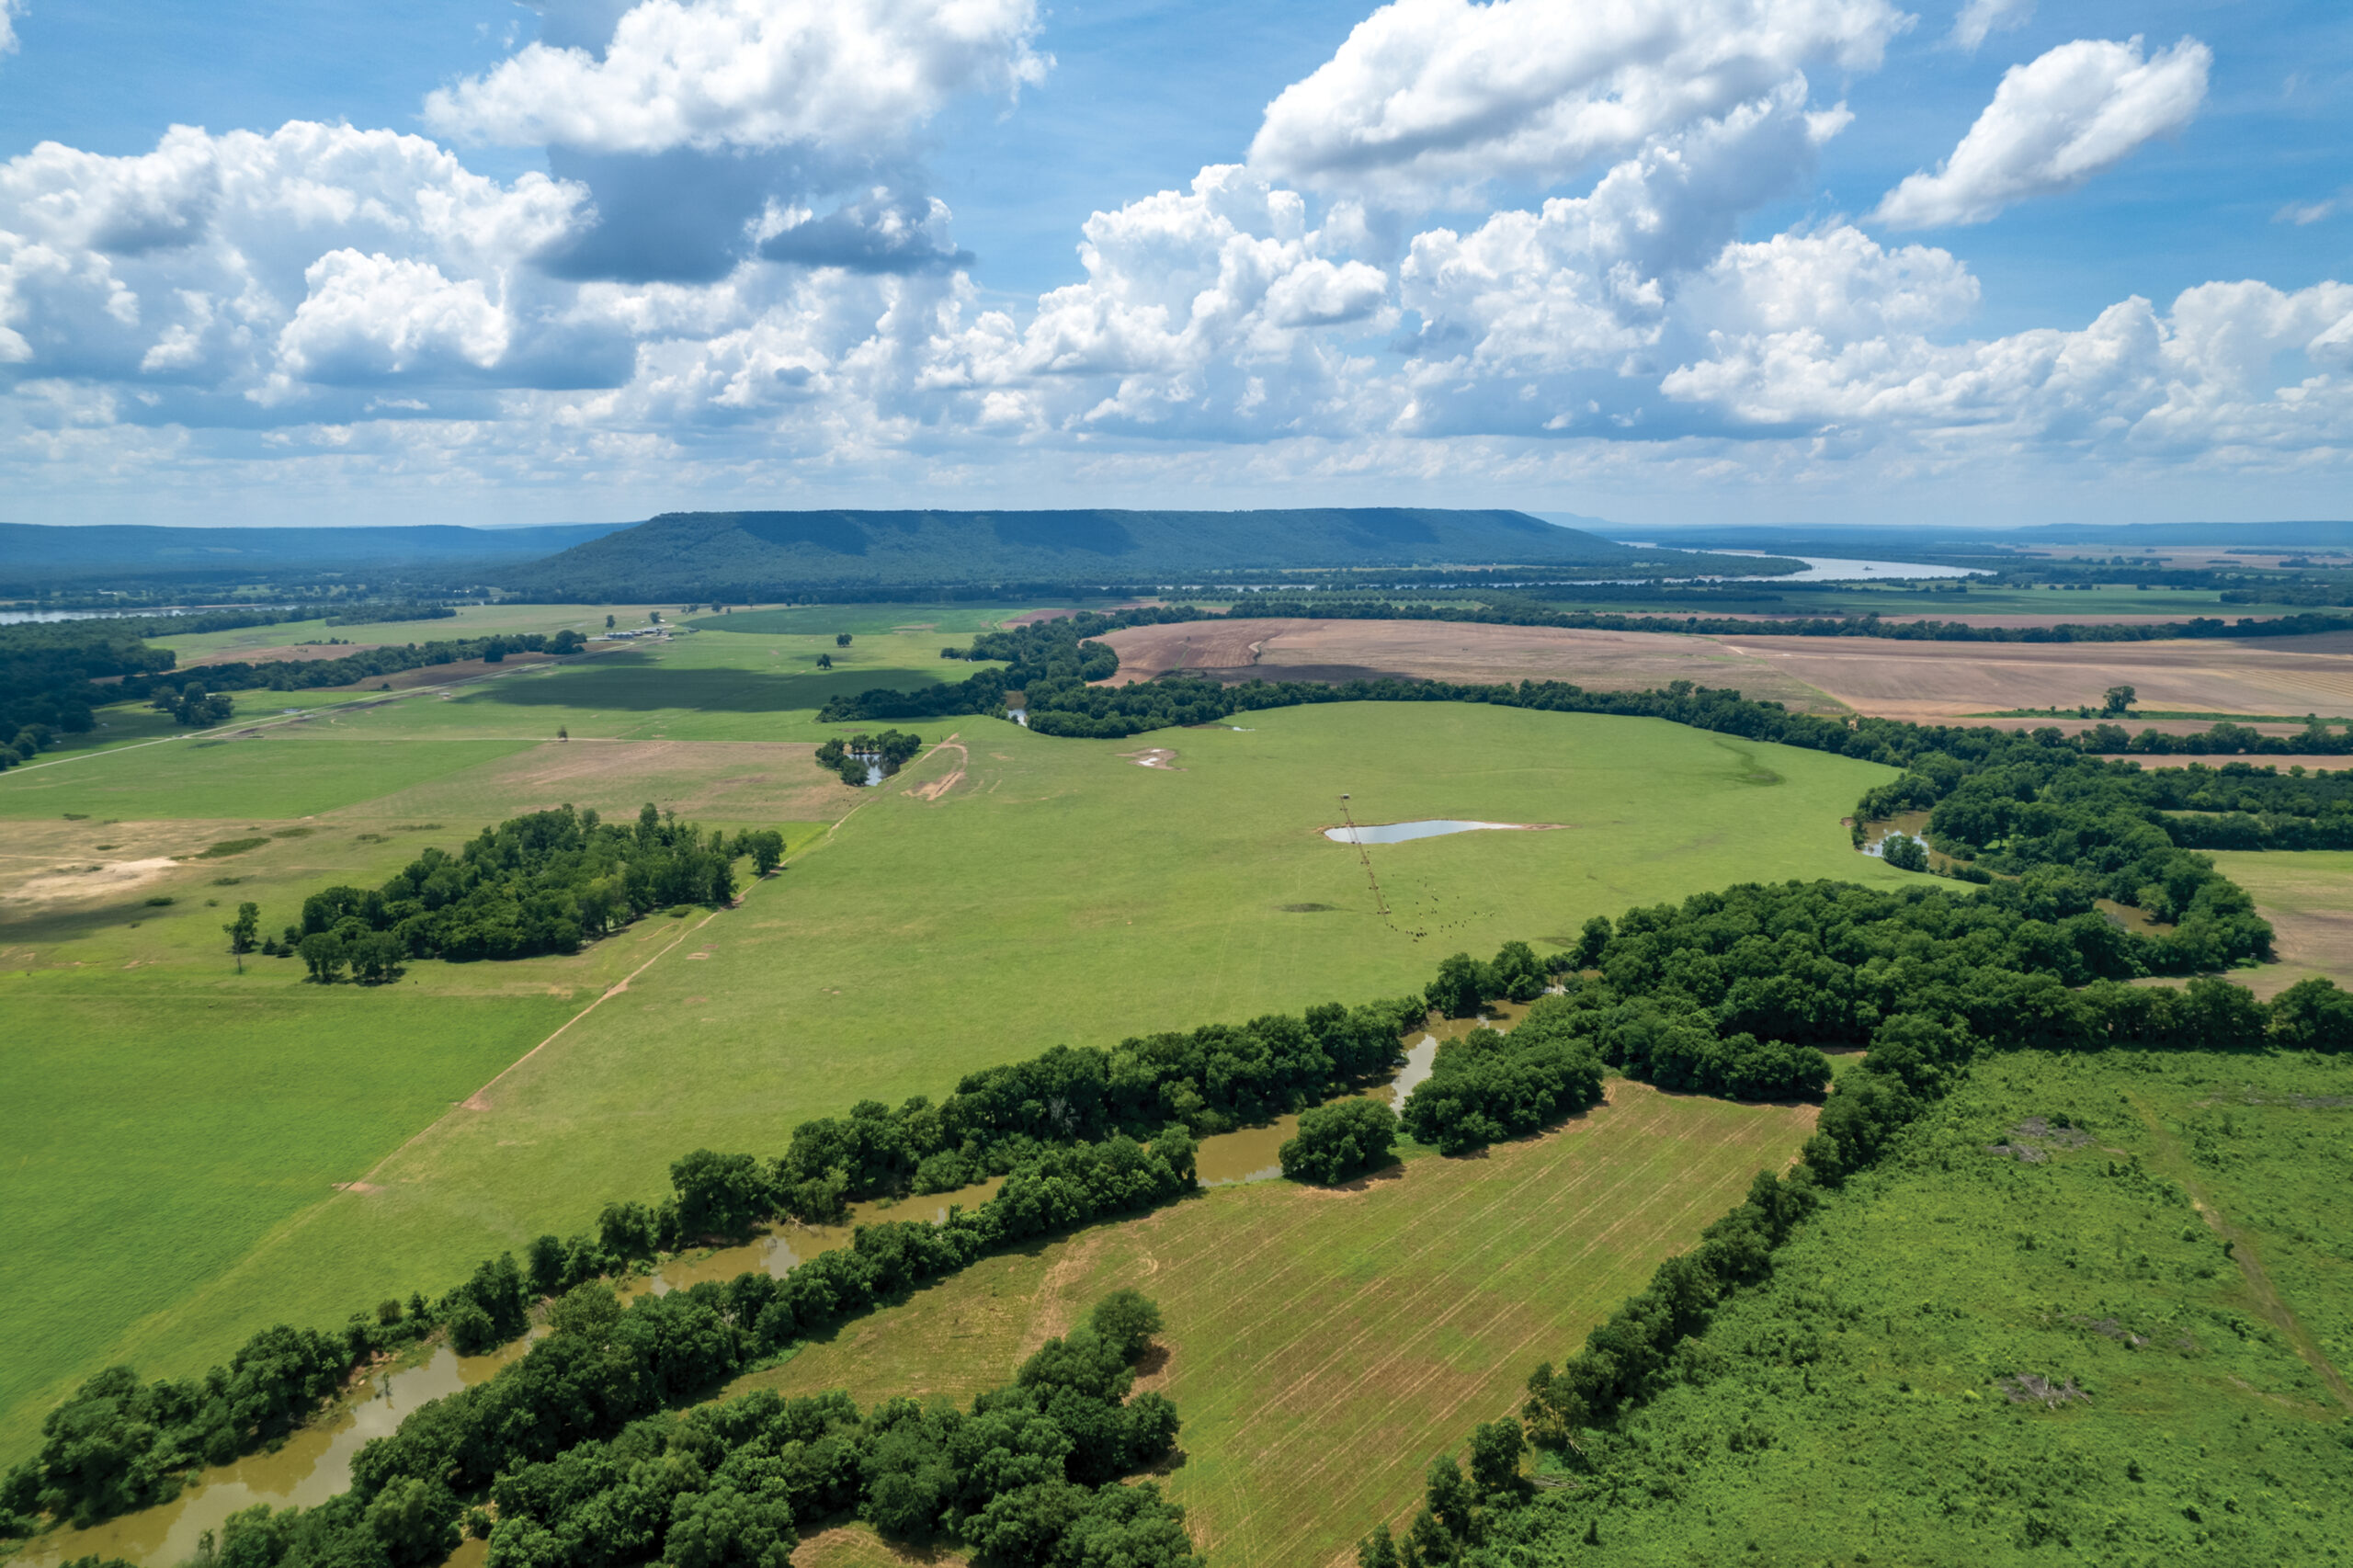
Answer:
(1380, 905)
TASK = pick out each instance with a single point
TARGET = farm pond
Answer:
(1401, 832)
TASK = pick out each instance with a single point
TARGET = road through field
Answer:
(1323, 1346)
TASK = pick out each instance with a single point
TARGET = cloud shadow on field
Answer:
(651, 687)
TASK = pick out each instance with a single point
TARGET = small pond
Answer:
(1399, 831)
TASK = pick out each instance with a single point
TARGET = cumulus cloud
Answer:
(370, 318)
(8, 8)
(2054, 123)
(1429, 98)
(245, 266)
(759, 74)
(1980, 17)
(2205, 376)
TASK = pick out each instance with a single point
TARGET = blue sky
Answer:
(1826, 260)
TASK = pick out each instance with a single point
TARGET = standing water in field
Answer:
(1399, 831)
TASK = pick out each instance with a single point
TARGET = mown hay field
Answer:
(1324, 1345)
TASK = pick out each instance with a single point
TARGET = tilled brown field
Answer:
(1277, 649)
(1934, 681)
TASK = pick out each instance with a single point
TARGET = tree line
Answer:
(543, 882)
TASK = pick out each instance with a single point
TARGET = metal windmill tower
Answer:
(1380, 905)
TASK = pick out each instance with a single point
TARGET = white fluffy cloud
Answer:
(2053, 124)
(1434, 98)
(765, 74)
(355, 310)
(1980, 17)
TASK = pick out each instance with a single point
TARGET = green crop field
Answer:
(1001, 894)
(1323, 1345)
(2175, 1266)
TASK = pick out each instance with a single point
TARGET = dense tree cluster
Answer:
(1208, 1080)
(192, 705)
(540, 883)
(1488, 1086)
(851, 758)
(1027, 1474)
(1335, 1141)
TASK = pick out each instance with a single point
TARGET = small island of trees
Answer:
(540, 883)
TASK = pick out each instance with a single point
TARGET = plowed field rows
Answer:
(1324, 1345)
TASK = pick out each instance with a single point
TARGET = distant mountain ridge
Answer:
(39, 553)
(761, 554)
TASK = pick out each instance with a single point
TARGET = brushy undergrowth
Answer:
(2018, 1339)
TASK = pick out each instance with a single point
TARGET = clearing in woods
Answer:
(1323, 1346)
(2307, 894)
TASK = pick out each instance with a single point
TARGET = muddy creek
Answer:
(311, 1466)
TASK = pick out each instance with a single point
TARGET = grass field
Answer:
(2308, 897)
(1003, 894)
(1324, 1345)
(1860, 1405)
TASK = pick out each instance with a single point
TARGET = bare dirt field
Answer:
(717, 781)
(1934, 681)
(1366, 650)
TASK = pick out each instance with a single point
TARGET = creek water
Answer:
(310, 1467)
(1400, 831)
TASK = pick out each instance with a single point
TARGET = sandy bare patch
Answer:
(1333, 651)
(1155, 756)
(91, 880)
(940, 786)
(1939, 681)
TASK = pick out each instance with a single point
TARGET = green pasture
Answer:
(1057, 892)
(2183, 1266)
(158, 1131)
